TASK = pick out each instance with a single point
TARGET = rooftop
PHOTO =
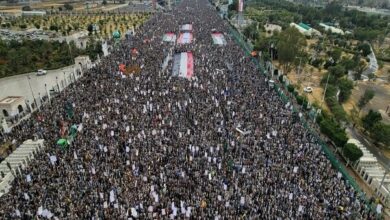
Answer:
(10, 99)
(304, 26)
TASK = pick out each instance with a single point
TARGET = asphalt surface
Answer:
(19, 85)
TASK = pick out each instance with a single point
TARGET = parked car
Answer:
(41, 72)
(308, 89)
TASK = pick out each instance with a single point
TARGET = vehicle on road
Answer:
(41, 72)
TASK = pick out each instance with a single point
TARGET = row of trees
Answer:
(66, 24)
(365, 27)
(67, 6)
(29, 55)
(372, 121)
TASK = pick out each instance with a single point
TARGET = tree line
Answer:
(17, 57)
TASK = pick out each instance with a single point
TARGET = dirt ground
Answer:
(380, 102)
(308, 77)
(311, 77)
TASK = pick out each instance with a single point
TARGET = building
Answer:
(79, 38)
(306, 29)
(17, 161)
(12, 105)
(271, 28)
(372, 173)
(82, 62)
(332, 29)
(33, 13)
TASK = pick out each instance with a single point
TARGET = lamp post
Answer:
(32, 92)
(40, 99)
(299, 69)
(58, 87)
(47, 93)
(323, 96)
(64, 80)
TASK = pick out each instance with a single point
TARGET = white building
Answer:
(12, 105)
(332, 29)
(306, 29)
(372, 173)
(33, 13)
(17, 161)
(271, 28)
(79, 38)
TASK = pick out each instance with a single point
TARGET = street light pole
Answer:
(299, 69)
(32, 93)
(383, 179)
(47, 93)
(40, 98)
(64, 80)
(323, 96)
(58, 87)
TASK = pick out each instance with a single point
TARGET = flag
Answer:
(169, 37)
(185, 38)
(122, 67)
(53, 159)
(183, 65)
(186, 27)
(218, 38)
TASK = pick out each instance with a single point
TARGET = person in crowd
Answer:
(221, 145)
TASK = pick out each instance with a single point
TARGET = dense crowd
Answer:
(155, 146)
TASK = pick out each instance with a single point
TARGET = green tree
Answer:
(366, 97)
(352, 152)
(345, 86)
(90, 28)
(381, 133)
(333, 130)
(233, 7)
(54, 28)
(336, 54)
(337, 71)
(104, 2)
(26, 8)
(359, 70)
(333, 9)
(290, 46)
(348, 64)
(68, 7)
(251, 31)
(371, 119)
(365, 49)
(371, 76)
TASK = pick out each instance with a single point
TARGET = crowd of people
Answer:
(221, 145)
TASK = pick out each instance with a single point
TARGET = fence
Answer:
(328, 152)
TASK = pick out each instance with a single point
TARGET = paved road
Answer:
(19, 85)
(382, 159)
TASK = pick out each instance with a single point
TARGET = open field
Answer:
(379, 103)
(311, 76)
